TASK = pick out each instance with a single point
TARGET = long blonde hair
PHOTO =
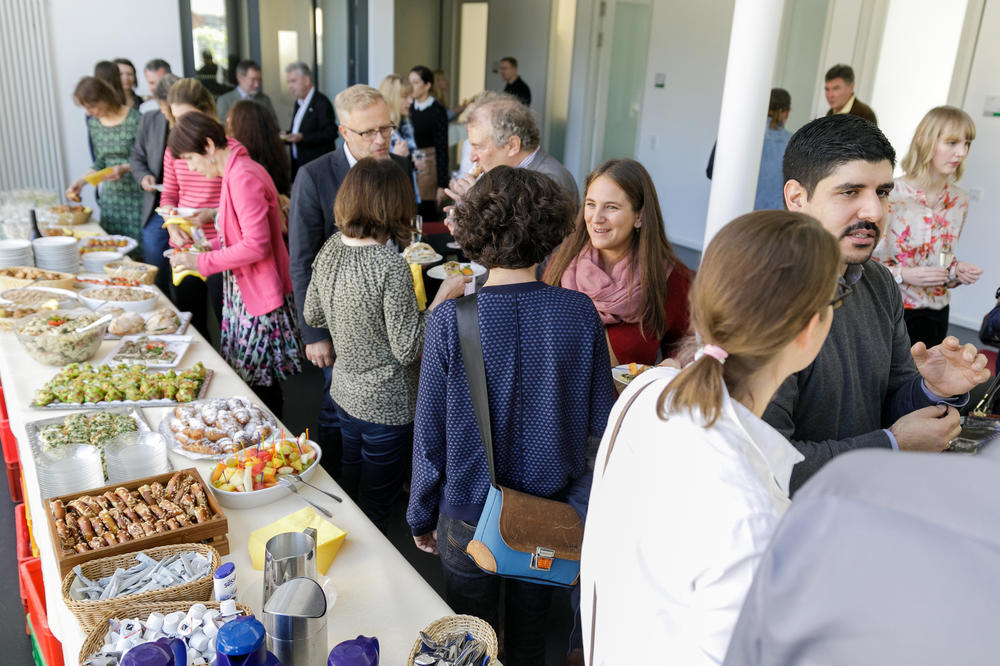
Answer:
(193, 92)
(394, 88)
(763, 277)
(940, 122)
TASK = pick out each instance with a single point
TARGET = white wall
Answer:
(418, 35)
(898, 99)
(520, 29)
(980, 241)
(689, 42)
(80, 36)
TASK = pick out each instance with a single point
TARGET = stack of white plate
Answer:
(69, 469)
(57, 253)
(16, 253)
(135, 455)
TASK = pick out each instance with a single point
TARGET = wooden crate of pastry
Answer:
(213, 530)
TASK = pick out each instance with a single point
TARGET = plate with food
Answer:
(624, 374)
(48, 298)
(130, 299)
(421, 253)
(80, 385)
(213, 429)
(250, 478)
(168, 212)
(94, 427)
(109, 243)
(449, 268)
(58, 337)
(162, 321)
(152, 351)
(99, 280)
(11, 313)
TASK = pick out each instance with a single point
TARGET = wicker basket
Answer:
(74, 216)
(132, 270)
(89, 613)
(95, 636)
(64, 281)
(454, 624)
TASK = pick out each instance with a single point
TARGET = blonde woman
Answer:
(685, 502)
(398, 94)
(927, 211)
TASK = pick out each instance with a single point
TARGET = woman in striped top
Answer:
(183, 188)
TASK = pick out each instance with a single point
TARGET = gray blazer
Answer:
(883, 558)
(225, 102)
(147, 157)
(550, 166)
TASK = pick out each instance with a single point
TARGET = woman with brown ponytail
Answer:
(687, 495)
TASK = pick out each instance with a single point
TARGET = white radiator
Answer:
(30, 145)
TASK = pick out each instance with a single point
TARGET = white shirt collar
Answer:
(351, 159)
(421, 106)
(244, 94)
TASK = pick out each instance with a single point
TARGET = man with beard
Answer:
(866, 388)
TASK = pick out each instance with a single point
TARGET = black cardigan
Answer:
(430, 128)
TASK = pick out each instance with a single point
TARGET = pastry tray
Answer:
(175, 447)
(185, 318)
(162, 402)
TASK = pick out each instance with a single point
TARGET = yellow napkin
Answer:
(329, 536)
(418, 285)
(97, 177)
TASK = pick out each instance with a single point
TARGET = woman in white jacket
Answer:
(691, 484)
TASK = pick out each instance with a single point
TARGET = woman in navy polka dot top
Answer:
(549, 382)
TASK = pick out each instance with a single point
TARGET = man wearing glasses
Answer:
(366, 130)
(866, 388)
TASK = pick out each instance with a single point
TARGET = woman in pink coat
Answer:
(260, 338)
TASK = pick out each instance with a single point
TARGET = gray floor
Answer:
(302, 396)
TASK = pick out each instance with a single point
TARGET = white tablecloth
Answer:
(378, 592)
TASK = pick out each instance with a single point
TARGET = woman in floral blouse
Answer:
(926, 213)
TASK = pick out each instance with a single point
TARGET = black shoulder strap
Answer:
(467, 313)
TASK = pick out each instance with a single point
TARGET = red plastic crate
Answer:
(31, 579)
(3, 405)
(23, 534)
(11, 461)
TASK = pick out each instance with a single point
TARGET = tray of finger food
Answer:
(153, 511)
(94, 427)
(81, 385)
(152, 351)
(161, 321)
(213, 429)
(110, 243)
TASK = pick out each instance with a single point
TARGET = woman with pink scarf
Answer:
(619, 255)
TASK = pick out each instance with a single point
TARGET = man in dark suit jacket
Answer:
(313, 131)
(366, 129)
(839, 91)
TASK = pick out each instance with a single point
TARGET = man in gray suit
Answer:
(502, 130)
(248, 82)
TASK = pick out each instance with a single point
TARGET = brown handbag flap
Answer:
(528, 522)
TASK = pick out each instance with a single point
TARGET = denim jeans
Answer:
(328, 418)
(374, 464)
(156, 241)
(469, 590)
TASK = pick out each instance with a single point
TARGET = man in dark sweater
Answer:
(866, 388)
(515, 85)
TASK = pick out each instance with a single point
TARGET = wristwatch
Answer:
(897, 274)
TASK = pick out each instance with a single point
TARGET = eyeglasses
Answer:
(842, 291)
(369, 135)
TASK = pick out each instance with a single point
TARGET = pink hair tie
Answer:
(716, 352)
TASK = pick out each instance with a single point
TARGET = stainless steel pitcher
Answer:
(286, 556)
(295, 621)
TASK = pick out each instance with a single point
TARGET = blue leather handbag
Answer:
(518, 535)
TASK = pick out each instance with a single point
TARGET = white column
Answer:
(381, 40)
(753, 45)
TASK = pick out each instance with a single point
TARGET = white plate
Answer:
(175, 343)
(145, 305)
(621, 374)
(453, 245)
(185, 318)
(165, 211)
(67, 299)
(437, 272)
(232, 500)
(436, 258)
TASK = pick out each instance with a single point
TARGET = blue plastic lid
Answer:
(148, 654)
(243, 635)
(224, 570)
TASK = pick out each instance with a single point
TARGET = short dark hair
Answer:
(511, 60)
(513, 218)
(96, 92)
(125, 61)
(824, 144)
(108, 72)
(425, 74)
(375, 201)
(157, 63)
(244, 66)
(841, 71)
(192, 132)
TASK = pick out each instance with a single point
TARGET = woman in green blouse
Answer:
(112, 127)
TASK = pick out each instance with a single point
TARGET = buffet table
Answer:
(378, 593)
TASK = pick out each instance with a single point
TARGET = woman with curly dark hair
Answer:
(549, 386)
(253, 126)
